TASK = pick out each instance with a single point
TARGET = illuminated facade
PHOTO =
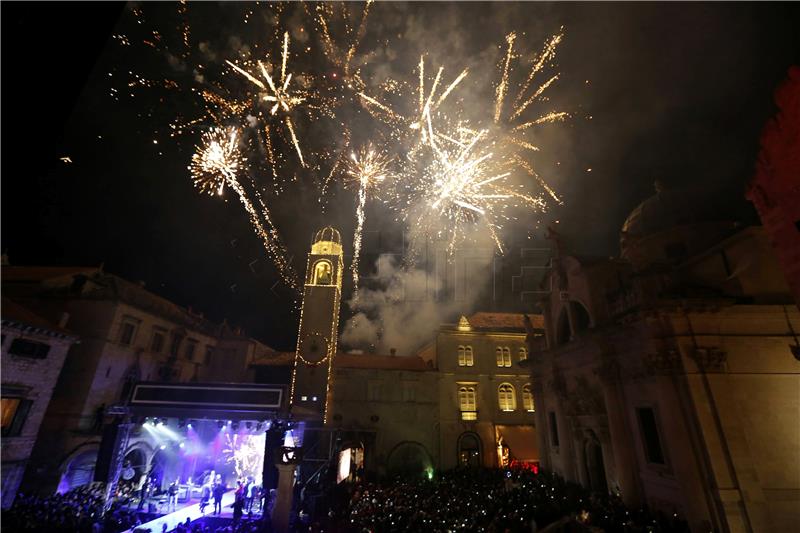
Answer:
(128, 334)
(319, 322)
(485, 417)
(668, 375)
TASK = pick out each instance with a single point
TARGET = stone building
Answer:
(33, 352)
(667, 373)
(486, 407)
(128, 335)
(463, 399)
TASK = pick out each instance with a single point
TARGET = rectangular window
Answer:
(175, 344)
(650, 436)
(191, 344)
(157, 342)
(29, 348)
(127, 331)
(15, 411)
(467, 402)
(553, 428)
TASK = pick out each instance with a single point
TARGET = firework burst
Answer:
(511, 120)
(217, 163)
(367, 169)
(277, 93)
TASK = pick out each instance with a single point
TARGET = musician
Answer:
(142, 488)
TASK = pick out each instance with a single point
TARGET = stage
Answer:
(190, 510)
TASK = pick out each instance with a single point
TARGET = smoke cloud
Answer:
(404, 304)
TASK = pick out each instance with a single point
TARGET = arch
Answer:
(580, 317)
(523, 353)
(411, 459)
(462, 357)
(78, 469)
(469, 449)
(322, 273)
(527, 398)
(594, 466)
(506, 398)
(468, 356)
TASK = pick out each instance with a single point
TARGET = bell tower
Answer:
(319, 323)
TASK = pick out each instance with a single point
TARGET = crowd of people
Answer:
(77, 511)
(488, 500)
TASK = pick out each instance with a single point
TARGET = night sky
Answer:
(675, 92)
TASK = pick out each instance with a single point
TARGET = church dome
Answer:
(328, 234)
(674, 224)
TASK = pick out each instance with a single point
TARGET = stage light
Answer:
(230, 422)
(164, 421)
(189, 425)
(182, 445)
(235, 426)
(163, 447)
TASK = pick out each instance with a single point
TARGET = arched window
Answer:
(505, 396)
(527, 398)
(323, 273)
(466, 402)
(468, 356)
(523, 353)
(469, 450)
(503, 356)
(462, 360)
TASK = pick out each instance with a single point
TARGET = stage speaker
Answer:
(106, 456)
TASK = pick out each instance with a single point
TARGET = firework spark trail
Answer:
(216, 163)
(511, 125)
(502, 87)
(279, 94)
(368, 169)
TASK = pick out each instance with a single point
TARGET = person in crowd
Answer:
(205, 496)
(172, 494)
(218, 491)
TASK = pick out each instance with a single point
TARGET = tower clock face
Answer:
(313, 348)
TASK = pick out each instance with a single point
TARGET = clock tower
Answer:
(319, 323)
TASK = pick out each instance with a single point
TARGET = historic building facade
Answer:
(486, 407)
(667, 374)
(127, 335)
(33, 353)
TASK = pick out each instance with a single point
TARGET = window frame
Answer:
(506, 394)
(467, 398)
(161, 332)
(128, 320)
(523, 353)
(19, 417)
(193, 344)
(469, 355)
(41, 349)
(502, 355)
(527, 394)
(658, 434)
